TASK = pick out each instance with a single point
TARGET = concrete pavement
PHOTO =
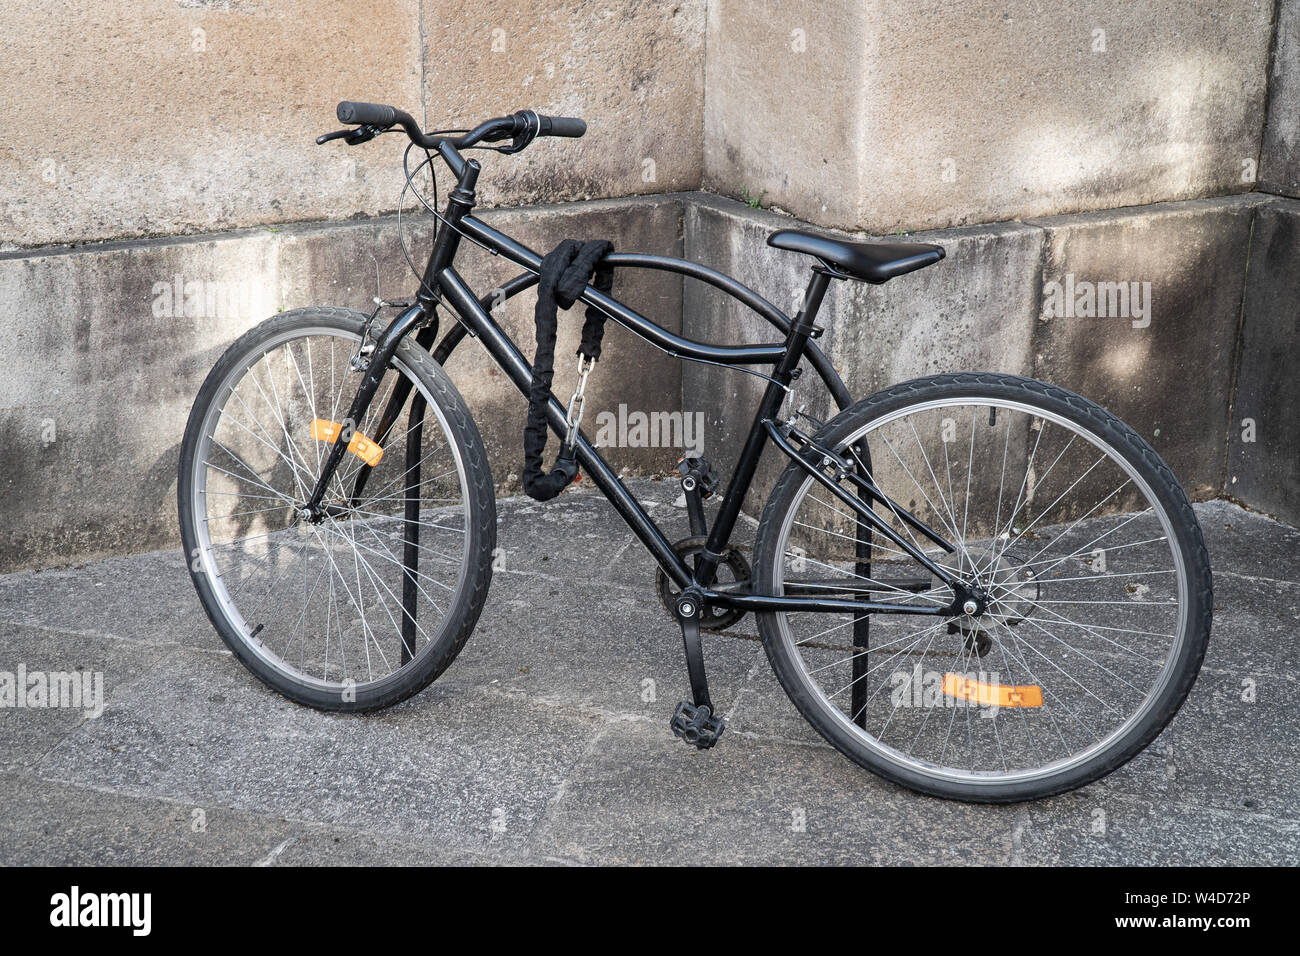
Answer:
(547, 740)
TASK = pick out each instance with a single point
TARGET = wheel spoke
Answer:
(323, 601)
(1075, 652)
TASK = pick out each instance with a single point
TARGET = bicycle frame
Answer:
(443, 285)
(268, 505)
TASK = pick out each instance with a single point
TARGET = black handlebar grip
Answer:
(367, 114)
(562, 126)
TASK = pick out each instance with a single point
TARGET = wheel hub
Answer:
(970, 601)
(1000, 598)
(317, 514)
(1013, 587)
(309, 515)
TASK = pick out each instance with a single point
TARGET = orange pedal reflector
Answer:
(992, 695)
(360, 445)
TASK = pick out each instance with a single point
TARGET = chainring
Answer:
(713, 618)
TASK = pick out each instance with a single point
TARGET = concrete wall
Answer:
(1264, 423)
(195, 118)
(885, 115)
(1168, 368)
(976, 314)
(1168, 373)
(1280, 156)
(180, 132)
(633, 69)
(107, 359)
(158, 117)
(154, 118)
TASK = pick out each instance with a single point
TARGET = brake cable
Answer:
(401, 237)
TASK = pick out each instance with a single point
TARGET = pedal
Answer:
(698, 481)
(698, 474)
(697, 725)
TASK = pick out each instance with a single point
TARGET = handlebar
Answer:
(515, 126)
(562, 126)
(369, 114)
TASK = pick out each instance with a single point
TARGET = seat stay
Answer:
(861, 510)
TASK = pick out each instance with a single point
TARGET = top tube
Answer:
(670, 342)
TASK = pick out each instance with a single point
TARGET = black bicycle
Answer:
(977, 585)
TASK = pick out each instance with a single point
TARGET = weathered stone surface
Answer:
(58, 824)
(101, 667)
(973, 311)
(157, 118)
(147, 743)
(546, 740)
(908, 116)
(997, 302)
(1263, 447)
(95, 424)
(55, 824)
(125, 333)
(1166, 373)
(1280, 157)
(633, 70)
(104, 360)
(163, 118)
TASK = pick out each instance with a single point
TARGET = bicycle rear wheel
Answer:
(1097, 581)
(365, 606)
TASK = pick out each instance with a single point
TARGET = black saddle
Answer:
(874, 262)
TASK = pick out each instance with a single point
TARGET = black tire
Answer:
(455, 423)
(1181, 666)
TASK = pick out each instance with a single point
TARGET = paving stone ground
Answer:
(537, 745)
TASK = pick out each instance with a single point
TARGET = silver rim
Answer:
(1089, 586)
(322, 604)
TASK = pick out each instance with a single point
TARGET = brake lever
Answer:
(517, 143)
(353, 137)
(523, 137)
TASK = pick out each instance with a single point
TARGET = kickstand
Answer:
(695, 722)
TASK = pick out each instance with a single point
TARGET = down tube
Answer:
(508, 356)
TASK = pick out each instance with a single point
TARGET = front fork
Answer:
(372, 375)
(422, 312)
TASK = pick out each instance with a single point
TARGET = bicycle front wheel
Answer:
(1093, 583)
(370, 601)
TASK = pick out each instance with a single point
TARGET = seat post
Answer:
(796, 340)
(812, 298)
